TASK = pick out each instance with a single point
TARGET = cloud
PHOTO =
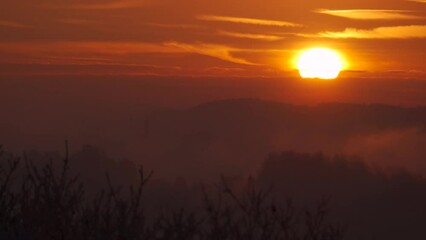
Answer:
(78, 57)
(110, 5)
(216, 51)
(122, 48)
(251, 36)
(420, 1)
(396, 32)
(12, 24)
(169, 25)
(253, 21)
(370, 14)
(65, 48)
(77, 21)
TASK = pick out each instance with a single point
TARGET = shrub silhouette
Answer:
(46, 203)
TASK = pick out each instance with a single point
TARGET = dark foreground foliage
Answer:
(45, 203)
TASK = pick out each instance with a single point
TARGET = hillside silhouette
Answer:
(232, 136)
(372, 203)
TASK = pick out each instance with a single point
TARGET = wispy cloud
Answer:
(253, 21)
(171, 25)
(396, 32)
(251, 36)
(370, 14)
(420, 1)
(77, 21)
(12, 24)
(103, 48)
(109, 5)
(216, 51)
(121, 48)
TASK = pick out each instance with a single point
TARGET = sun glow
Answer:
(319, 63)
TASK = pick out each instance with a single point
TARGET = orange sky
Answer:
(209, 38)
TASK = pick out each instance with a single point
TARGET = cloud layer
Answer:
(264, 37)
(110, 5)
(253, 21)
(370, 14)
(12, 24)
(254, 33)
(397, 32)
(216, 51)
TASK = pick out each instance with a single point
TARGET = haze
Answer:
(207, 91)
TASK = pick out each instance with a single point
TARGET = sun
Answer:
(322, 63)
